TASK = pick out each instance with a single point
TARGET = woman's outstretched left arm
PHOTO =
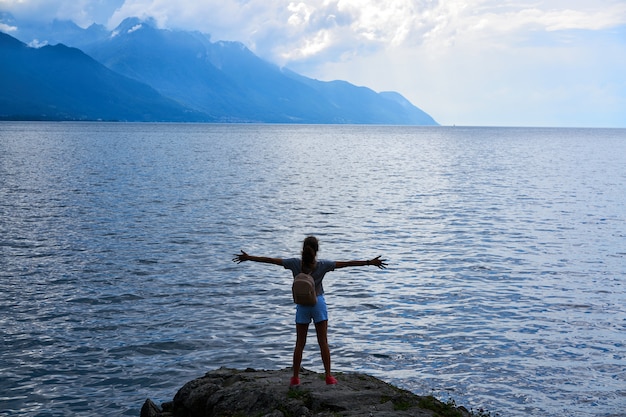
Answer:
(380, 263)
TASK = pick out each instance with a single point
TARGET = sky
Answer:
(558, 63)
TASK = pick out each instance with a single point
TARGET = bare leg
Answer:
(301, 333)
(322, 339)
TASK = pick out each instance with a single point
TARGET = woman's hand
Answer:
(241, 257)
(380, 263)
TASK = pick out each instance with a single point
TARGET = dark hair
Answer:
(309, 252)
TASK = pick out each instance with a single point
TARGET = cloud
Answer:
(322, 30)
(7, 28)
(497, 65)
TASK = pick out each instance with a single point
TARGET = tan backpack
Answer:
(303, 290)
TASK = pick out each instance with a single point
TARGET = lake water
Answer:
(506, 286)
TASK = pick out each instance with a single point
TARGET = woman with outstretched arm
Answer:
(318, 313)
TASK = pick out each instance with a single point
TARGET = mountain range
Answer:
(139, 72)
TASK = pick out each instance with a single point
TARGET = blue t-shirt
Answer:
(321, 268)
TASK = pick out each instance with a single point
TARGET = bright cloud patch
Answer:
(7, 28)
(135, 28)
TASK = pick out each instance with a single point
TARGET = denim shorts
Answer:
(317, 313)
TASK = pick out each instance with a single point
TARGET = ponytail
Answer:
(309, 252)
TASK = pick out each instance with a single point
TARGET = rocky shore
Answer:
(240, 393)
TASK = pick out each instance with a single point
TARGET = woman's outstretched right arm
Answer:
(242, 257)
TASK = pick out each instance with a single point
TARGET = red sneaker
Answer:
(295, 381)
(330, 380)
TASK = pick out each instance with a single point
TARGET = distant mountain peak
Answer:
(132, 22)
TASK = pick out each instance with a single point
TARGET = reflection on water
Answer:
(506, 247)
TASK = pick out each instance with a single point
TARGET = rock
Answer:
(232, 393)
(150, 409)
